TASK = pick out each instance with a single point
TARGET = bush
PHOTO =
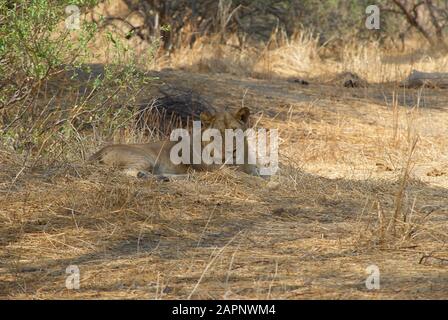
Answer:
(33, 44)
(48, 94)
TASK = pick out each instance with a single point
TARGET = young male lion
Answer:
(141, 159)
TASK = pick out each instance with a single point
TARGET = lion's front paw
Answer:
(142, 175)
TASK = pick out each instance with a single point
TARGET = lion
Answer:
(143, 160)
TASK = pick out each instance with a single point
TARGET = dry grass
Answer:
(280, 57)
(302, 57)
(363, 181)
(310, 232)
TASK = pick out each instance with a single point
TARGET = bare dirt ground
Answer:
(309, 232)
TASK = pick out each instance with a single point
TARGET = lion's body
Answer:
(154, 158)
(149, 157)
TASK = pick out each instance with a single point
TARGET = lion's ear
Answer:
(206, 117)
(243, 115)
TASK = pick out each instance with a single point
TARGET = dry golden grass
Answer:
(279, 57)
(302, 56)
(309, 232)
(363, 181)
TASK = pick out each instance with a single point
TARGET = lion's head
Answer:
(237, 121)
(226, 120)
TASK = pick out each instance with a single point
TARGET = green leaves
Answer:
(32, 38)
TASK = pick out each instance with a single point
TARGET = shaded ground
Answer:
(310, 232)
